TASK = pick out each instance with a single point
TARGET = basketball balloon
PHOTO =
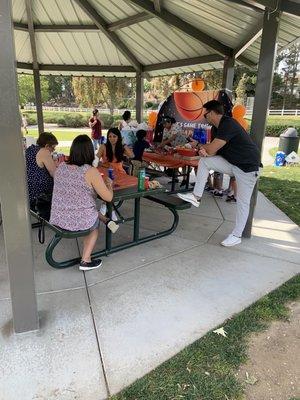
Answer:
(243, 122)
(198, 85)
(238, 111)
(189, 105)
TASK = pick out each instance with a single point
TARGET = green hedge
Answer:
(107, 119)
(31, 118)
(276, 130)
(73, 120)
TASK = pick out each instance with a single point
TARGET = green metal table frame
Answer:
(119, 195)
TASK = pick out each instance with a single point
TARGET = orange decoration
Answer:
(198, 85)
(243, 122)
(238, 111)
(190, 104)
(152, 117)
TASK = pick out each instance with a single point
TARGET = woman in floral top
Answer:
(76, 186)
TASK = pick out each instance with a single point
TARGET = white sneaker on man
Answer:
(231, 240)
(189, 197)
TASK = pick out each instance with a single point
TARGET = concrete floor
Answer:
(101, 330)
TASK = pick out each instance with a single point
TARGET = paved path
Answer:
(269, 143)
(144, 305)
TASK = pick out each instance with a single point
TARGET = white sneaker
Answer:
(103, 211)
(231, 240)
(189, 197)
(114, 216)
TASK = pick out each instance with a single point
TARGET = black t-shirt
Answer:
(239, 149)
(138, 149)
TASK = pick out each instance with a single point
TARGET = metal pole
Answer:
(13, 186)
(139, 96)
(228, 74)
(36, 73)
(263, 91)
(38, 100)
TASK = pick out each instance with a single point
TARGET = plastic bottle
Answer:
(279, 159)
(141, 179)
(111, 174)
(203, 136)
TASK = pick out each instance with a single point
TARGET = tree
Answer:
(94, 91)
(26, 89)
(60, 89)
(289, 64)
(213, 79)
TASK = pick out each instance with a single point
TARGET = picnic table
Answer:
(173, 162)
(125, 188)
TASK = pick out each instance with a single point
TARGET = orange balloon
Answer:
(190, 104)
(243, 122)
(198, 85)
(238, 111)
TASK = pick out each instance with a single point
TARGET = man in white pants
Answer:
(231, 152)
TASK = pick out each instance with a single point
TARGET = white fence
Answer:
(77, 109)
(120, 112)
(279, 112)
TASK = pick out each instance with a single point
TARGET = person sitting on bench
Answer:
(112, 154)
(40, 167)
(138, 150)
(76, 185)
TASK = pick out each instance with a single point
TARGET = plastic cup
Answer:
(147, 179)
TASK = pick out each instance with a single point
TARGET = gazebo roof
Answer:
(122, 37)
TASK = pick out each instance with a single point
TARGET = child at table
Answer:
(138, 150)
(76, 186)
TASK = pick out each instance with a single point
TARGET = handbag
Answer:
(43, 205)
(43, 209)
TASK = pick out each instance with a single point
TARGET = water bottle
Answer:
(141, 179)
(203, 136)
(279, 159)
(111, 174)
(196, 134)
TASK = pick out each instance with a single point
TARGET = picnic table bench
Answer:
(159, 196)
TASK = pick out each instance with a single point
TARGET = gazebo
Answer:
(134, 38)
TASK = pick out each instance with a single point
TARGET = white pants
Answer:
(245, 184)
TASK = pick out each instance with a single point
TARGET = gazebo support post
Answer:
(263, 92)
(139, 96)
(13, 186)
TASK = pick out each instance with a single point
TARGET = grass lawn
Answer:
(281, 185)
(68, 135)
(274, 150)
(287, 119)
(206, 369)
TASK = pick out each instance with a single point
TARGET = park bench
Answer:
(173, 204)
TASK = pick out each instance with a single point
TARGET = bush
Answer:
(149, 104)
(107, 120)
(117, 117)
(73, 120)
(276, 130)
(31, 118)
(51, 117)
(117, 122)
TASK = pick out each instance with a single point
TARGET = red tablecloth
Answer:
(168, 160)
(121, 181)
